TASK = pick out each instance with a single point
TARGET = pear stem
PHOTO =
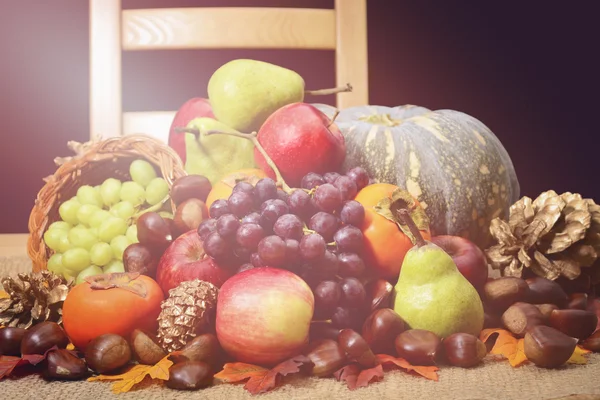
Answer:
(408, 221)
(253, 138)
(182, 129)
(322, 92)
(337, 112)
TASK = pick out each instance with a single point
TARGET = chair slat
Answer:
(155, 123)
(230, 27)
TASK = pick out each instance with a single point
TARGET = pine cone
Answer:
(553, 235)
(186, 313)
(33, 298)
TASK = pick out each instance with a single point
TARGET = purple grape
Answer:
(219, 207)
(327, 296)
(353, 213)
(242, 254)
(346, 186)
(299, 203)
(346, 317)
(257, 261)
(312, 247)
(207, 227)
(359, 176)
(327, 266)
(265, 189)
(271, 210)
(292, 252)
(252, 218)
(353, 292)
(349, 239)
(244, 267)
(328, 198)
(311, 180)
(272, 251)
(240, 204)
(289, 226)
(281, 195)
(227, 226)
(330, 177)
(216, 246)
(324, 224)
(350, 265)
(243, 186)
(249, 235)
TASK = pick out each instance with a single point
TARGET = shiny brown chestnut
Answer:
(501, 293)
(61, 364)
(327, 357)
(357, 348)
(323, 330)
(464, 350)
(203, 347)
(521, 317)
(548, 347)
(418, 346)
(138, 257)
(42, 337)
(578, 301)
(190, 375)
(10, 341)
(154, 232)
(189, 214)
(379, 293)
(546, 310)
(543, 290)
(107, 352)
(592, 342)
(381, 328)
(579, 324)
(145, 347)
(190, 187)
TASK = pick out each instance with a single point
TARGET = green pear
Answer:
(432, 294)
(215, 155)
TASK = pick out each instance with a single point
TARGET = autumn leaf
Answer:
(8, 364)
(237, 372)
(578, 356)
(356, 377)
(428, 371)
(506, 345)
(298, 364)
(136, 374)
(4, 295)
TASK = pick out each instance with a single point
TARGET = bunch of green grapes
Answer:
(98, 223)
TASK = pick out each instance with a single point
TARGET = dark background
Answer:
(528, 70)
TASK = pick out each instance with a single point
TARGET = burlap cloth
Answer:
(492, 380)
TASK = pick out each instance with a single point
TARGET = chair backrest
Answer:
(113, 30)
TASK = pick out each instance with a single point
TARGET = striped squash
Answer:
(450, 161)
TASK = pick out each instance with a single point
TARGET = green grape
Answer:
(80, 236)
(132, 234)
(156, 190)
(119, 244)
(76, 259)
(60, 225)
(68, 211)
(85, 212)
(110, 190)
(101, 253)
(114, 266)
(142, 172)
(113, 226)
(165, 214)
(55, 264)
(54, 237)
(98, 218)
(89, 271)
(86, 194)
(94, 231)
(133, 192)
(64, 244)
(69, 274)
(123, 209)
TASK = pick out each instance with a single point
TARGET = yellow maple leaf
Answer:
(506, 345)
(578, 356)
(3, 295)
(136, 374)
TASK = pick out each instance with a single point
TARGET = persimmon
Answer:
(385, 242)
(111, 303)
(223, 188)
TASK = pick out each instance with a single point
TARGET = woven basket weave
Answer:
(104, 159)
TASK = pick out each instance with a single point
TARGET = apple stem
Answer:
(404, 216)
(253, 137)
(337, 112)
(322, 92)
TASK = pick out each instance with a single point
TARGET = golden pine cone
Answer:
(33, 298)
(553, 236)
(185, 313)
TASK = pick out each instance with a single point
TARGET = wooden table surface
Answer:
(13, 244)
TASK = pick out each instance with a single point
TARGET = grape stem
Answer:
(337, 112)
(404, 216)
(323, 92)
(280, 182)
(153, 208)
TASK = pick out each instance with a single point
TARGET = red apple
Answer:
(467, 256)
(300, 139)
(263, 315)
(185, 260)
(196, 107)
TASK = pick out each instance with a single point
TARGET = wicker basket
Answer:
(104, 159)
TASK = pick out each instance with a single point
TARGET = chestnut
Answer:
(576, 323)
(42, 337)
(357, 348)
(548, 347)
(327, 357)
(204, 347)
(137, 257)
(546, 310)
(578, 301)
(190, 186)
(543, 290)
(145, 348)
(592, 342)
(189, 214)
(464, 350)
(418, 346)
(10, 341)
(520, 317)
(323, 330)
(381, 328)
(107, 353)
(63, 365)
(501, 293)
(379, 293)
(190, 375)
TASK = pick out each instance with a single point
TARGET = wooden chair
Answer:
(113, 30)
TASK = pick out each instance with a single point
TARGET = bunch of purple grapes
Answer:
(314, 231)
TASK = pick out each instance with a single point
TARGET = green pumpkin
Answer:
(448, 160)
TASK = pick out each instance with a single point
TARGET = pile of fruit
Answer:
(289, 247)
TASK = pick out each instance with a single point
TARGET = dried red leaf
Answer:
(123, 280)
(8, 364)
(429, 372)
(357, 377)
(238, 372)
(270, 380)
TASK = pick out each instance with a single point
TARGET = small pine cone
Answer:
(186, 313)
